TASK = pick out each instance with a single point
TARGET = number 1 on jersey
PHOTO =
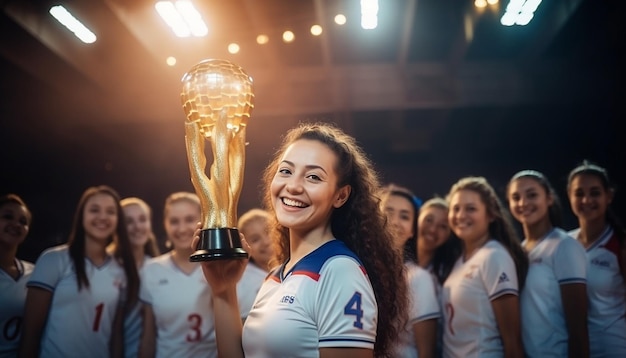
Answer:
(96, 321)
(354, 308)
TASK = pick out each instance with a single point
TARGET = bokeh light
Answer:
(233, 48)
(262, 39)
(288, 36)
(316, 30)
(340, 19)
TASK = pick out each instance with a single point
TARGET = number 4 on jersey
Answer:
(354, 308)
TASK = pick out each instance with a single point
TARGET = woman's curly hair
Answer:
(359, 223)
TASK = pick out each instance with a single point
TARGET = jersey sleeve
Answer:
(144, 289)
(499, 274)
(48, 269)
(424, 304)
(346, 310)
(570, 262)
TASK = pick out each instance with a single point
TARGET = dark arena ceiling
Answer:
(438, 90)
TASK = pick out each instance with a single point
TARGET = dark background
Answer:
(439, 91)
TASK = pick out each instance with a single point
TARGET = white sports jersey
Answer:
(133, 326)
(423, 306)
(12, 299)
(325, 300)
(606, 291)
(248, 287)
(556, 260)
(470, 328)
(183, 315)
(79, 323)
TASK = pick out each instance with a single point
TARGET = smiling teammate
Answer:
(73, 305)
(590, 195)
(554, 299)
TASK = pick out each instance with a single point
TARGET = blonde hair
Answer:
(251, 215)
(180, 196)
(150, 248)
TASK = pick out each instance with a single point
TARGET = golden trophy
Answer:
(217, 99)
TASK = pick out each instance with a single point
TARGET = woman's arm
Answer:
(346, 353)
(425, 334)
(36, 311)
(228, 326)
(507, 312)
(574, 299)
(147, 344)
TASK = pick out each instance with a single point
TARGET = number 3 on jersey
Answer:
(354, 308)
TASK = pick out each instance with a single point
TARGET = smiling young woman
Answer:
(480, 296)
(15, 221)
(590, 194)
(554, 299)
(337, 289)
(76, 295)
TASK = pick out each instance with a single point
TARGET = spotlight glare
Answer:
(73, 24)
(480, 3)
(233, 48)
(171, 61)
(519, 12)
(262, 39)
(340, 19)
(316, 30)
(288, 36)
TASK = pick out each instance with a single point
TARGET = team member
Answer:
(15, 220)
(254, 225)
(143, 242)
(419, 339)
(436, 249)
(480, 296)
(590, 195)
(336, 292)
(73, 302)
(554, 299)
(177, 320)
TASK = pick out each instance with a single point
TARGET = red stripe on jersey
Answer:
(613, 245)
(363, 269)
(313, 275)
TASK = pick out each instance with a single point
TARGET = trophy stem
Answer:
(218, 244)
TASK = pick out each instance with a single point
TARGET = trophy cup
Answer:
(217, 99)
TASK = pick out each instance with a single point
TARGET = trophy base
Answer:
(219, 244)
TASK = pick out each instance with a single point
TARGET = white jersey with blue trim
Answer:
(607, 296)
(470, 328)
(325, 300)
(182, 311)
(423, 305)
(556, 260)
(12, 300)
(248, 287)
(79, 323)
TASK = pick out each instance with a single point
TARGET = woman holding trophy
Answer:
(337, 290)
